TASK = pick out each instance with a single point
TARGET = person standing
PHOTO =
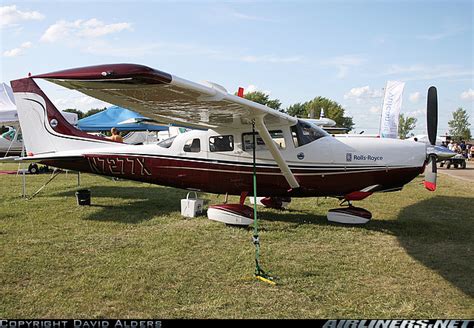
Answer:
(115, 135)
(451, 145)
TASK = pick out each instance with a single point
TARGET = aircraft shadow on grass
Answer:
(432, 231)
(140, 204)
(435, 232)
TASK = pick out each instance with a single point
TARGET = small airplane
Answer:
(293, 157)
(10, 142)
(326, 123)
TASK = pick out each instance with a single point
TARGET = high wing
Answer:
(169, 99)
(166, 98)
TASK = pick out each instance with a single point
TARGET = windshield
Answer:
(305, 132)
(167, 142)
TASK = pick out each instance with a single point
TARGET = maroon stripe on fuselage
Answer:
(220, 179)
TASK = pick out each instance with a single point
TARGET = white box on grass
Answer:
(191, 207)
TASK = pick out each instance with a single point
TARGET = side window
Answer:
(167, 142)
(279, 138)
(294, 135)
(192, 146)
(276, 135)
(221, 143)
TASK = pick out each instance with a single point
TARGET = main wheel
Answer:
(456, 166)
(463, 165)
(33, 168)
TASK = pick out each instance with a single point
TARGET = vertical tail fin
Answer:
(44, 128)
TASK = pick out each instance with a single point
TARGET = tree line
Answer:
(81, 115)
(458, 126)
(332, 109)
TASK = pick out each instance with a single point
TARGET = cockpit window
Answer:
(167, 142)
(10, 135)
(304, 132)
(221, 143)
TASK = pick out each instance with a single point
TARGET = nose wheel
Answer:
(345, 202)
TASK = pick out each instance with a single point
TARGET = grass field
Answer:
(131, 254)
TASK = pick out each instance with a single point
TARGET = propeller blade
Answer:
(432, 114)
(430, 174)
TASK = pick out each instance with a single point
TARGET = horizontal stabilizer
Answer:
(39, 158)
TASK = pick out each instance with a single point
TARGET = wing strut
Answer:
(267, 138)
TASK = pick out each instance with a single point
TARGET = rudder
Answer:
(44, 128)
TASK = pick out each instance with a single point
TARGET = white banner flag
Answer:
(392, 103)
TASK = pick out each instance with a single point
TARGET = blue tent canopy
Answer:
(111, 117)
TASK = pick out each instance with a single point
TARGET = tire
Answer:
(448, 166)
(463, 165)
(33, 168)
(456, 166)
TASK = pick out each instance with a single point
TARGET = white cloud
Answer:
(252, 88)
(414, 97)
(57, 31)
(17, 51)
(10, 16)
(357, 92)
(88, 36)
(95, 28)
(468, 95)
(92, 28)
(416, 113)
(344, 63)
(363, 93)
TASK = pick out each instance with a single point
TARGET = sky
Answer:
(293, 50)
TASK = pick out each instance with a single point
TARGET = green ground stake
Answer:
(259, 273)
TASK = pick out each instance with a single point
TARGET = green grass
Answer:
(131, 254)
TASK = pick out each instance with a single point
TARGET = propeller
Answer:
(432, 114)
(432, 127)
